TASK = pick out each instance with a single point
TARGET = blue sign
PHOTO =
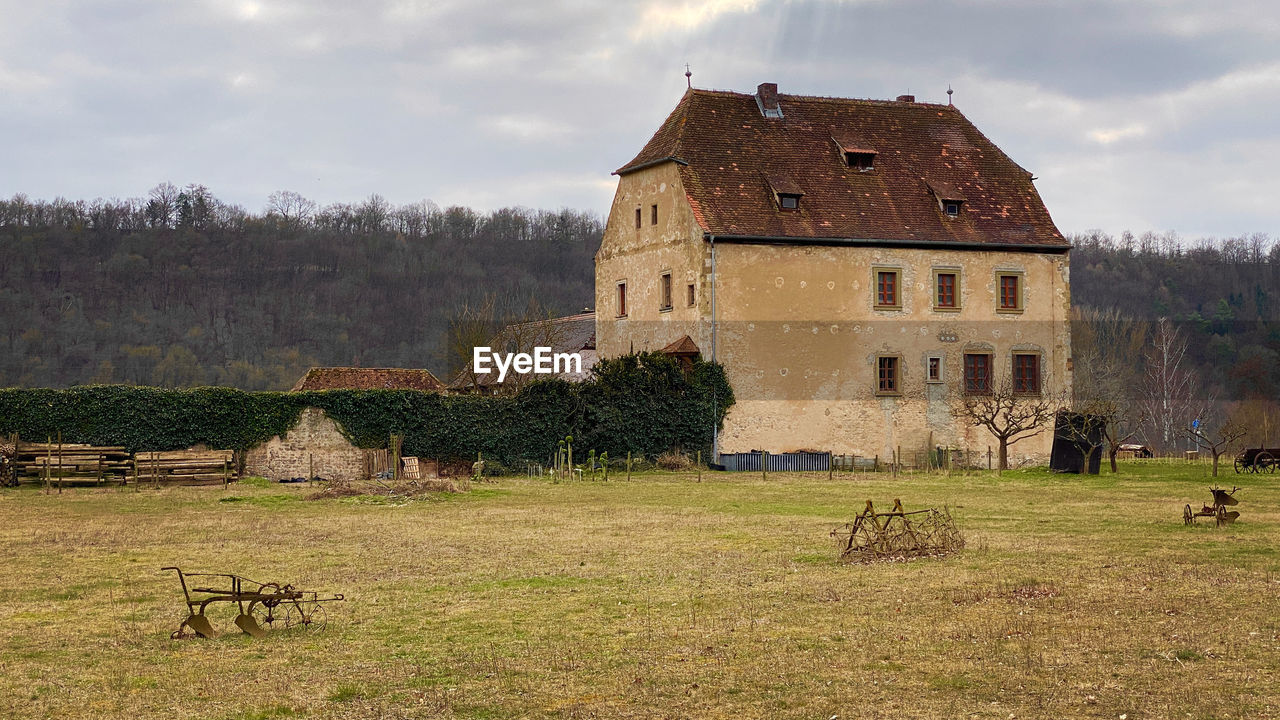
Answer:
(1195, 423)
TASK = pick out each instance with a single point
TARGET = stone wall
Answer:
(316, 441)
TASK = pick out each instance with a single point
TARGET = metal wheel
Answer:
(1187, 517)
(305, 615)
(1239, 464)
(1266, 462)
(1220, 515)
(268, 616)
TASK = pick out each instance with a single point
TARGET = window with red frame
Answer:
(1009, 299)
(887, 288)
(977, 374)
(888, 374)
(946, 290)
(1026, 373)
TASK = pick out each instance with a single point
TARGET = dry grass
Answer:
(1076, 597)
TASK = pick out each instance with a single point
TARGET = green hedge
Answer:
(643, 404)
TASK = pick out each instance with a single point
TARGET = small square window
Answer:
(666, 291)
(788, 202)
(1026, 373)
(886, 289)
(933, 369)
(653, 215)
(887, 380)
(692, 295)
(952, 208)
(1009, 292)
(622, 299)
(977, 374)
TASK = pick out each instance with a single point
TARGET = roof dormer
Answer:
(786, 191)
(856, 152)
(949, 198)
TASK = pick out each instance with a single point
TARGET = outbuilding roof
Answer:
(353, 378)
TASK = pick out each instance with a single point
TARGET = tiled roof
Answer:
(569, 334)
(349, 378)
(684, 346)
(732, 160)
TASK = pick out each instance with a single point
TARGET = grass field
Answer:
(655, 598)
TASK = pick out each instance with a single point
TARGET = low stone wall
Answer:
(315, 442)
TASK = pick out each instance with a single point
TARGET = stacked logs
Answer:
(77, 463)
(185, 467)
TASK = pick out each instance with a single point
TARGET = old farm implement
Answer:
(1257, 460)
(262, 606)
(897, 534)
(1218, 510)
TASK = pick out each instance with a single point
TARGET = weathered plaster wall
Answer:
(798, 333)
(315, 439)
(640, 256)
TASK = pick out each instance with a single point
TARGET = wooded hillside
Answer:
(180, 290)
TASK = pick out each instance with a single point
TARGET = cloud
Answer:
(1145, 114)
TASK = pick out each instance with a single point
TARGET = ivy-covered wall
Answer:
(643, 404)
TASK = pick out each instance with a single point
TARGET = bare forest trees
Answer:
(486, 323)
(1009, 416)
(1169, 384)
(1108, 348)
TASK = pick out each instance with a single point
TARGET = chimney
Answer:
(767, 99)
(906, 98)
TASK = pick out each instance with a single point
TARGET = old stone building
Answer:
(857, 266)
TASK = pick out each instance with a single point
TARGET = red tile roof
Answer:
(684, 346)
(349, 378)
(730, 156)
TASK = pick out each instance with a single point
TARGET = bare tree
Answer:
(1168, 383)
(1108, 349)
(472, 326)
(293, 209)
(1216, 437)
(1009, 416)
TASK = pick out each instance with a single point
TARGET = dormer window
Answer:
(860, 160)
(788, 201)
(950, 199)
(785, 190)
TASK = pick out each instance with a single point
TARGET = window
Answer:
(952, 208)
(637, 218)
(653, 215)
(692, 295)
(860, 160)
(1009, 291)
(887, 289)
(622, 299)
(666, 291)
(788, 201)
(887, 375)
(933, 369)
(946, 287)
(977, 374)
(1026, 373)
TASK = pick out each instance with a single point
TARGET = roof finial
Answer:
(949, 91)
(688, 75)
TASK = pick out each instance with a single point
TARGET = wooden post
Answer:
(699, 466)
(59, 462)
(988, 457)
(311, 468)
(628, 466)
(764, 466)
(831, 467)
(897, 460)
(48, 464)
(225, 480)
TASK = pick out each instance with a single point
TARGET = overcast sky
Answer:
(1155, 115)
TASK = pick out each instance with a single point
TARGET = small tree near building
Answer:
(1217, 438)
(1009, 416)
